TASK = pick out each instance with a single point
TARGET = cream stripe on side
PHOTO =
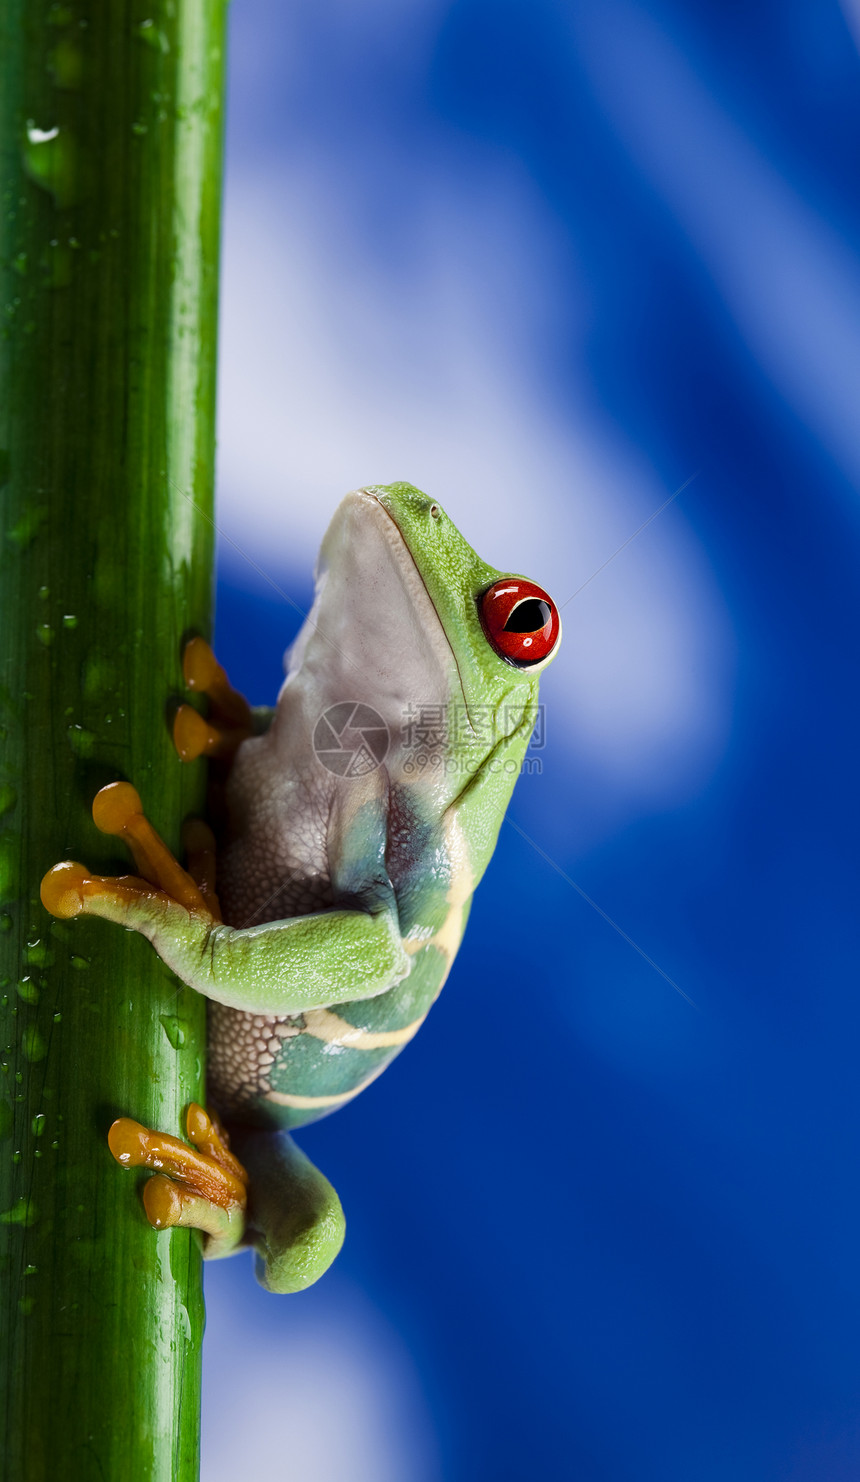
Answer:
(322, 1024)
(333, 1030)
(311, 1103)
(449, 935)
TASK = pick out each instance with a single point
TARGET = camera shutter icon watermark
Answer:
(351, 739)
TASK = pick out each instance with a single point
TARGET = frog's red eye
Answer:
(521, 621)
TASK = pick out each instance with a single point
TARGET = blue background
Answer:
(596, 1231)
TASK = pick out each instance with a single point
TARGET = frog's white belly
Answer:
(274, 868)
(288, 1069)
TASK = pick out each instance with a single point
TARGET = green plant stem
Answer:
(110, 129)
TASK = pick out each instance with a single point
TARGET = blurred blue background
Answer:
(548, 261)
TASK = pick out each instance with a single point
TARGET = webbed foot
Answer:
(204, 1186)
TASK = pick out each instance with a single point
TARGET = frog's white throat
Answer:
(373, 636)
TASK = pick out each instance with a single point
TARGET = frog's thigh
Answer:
(295, 1220)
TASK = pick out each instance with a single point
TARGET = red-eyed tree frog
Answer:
(358, 817)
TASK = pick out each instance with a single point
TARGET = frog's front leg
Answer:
(279, 967)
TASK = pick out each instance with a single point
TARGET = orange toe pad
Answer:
(62, 889)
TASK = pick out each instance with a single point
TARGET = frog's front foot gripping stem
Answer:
(69, 888)
(203, 1186)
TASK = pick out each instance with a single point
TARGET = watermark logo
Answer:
(351, 739)
(439, 737)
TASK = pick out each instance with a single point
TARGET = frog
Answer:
(321, 912)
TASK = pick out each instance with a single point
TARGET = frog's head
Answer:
(411, 622)
(502, 629)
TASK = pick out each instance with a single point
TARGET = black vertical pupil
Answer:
(529, 616)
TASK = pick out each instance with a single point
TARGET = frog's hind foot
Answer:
(230, 721)
(204, 1186)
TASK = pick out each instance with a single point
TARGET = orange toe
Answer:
(62, 889)
(163, 1202)
(115, 806)
(200, 668)
(191, 734)
(128, 1141)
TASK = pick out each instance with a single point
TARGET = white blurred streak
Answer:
(851, 11)
(326, 1393)
(790, 284)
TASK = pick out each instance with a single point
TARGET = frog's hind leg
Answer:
(204, 1186)
(295, 1219)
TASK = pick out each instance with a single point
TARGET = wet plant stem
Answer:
(110, 132)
